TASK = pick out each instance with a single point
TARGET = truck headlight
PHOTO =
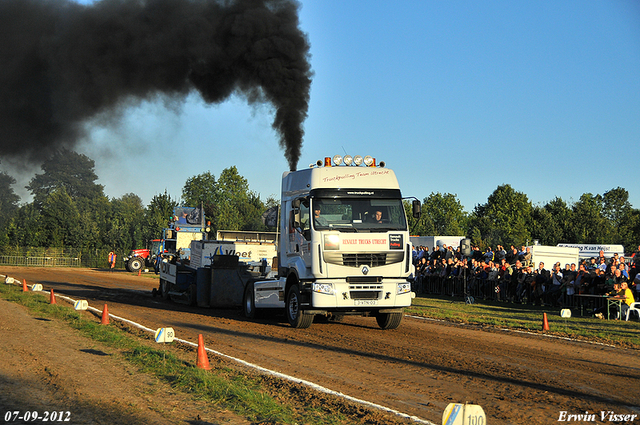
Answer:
(323, 288)
(331, 242)
(404, 288)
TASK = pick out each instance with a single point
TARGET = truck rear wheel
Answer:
(164, 289)
(249, 302)
(389, 320)
(295, 315)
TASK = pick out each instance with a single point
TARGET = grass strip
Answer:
(234, 391)
(529, 318)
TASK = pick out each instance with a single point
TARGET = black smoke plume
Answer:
(62, 63)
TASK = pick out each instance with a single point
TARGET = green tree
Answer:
(552, 222)
(201, 190)
(630, 231)
(236, 208)
(616, 206)
(69, 170)
(589, 225)
(157, 215)
(505, 218)
(8, 198)
(444, 214)
(59, 220)
(622, 218)
(24, 228)
(125, 230)
(8, 205)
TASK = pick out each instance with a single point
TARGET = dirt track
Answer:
(417, 369)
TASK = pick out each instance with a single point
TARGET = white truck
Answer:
(344, 246)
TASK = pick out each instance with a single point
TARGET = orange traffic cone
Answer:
(24, 285)
(545, 322)
(52, 298)
(139, 272)
(105, 316)
(203, 360)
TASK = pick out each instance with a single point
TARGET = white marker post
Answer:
(164, 335)
(36, 287)
(463, 414)
(565, 313)
(81, 305)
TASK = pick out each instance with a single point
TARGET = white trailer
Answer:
(432, 241)
(216, 271)
(549, 255)
(344, 246)
(593, 250)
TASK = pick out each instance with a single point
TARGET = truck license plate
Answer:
(366, 302)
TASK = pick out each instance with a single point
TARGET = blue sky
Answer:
(456, 97)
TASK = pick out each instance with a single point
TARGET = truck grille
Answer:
(357, 260)
(361, 259)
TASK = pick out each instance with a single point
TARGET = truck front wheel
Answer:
(389, 320)
(295, 315)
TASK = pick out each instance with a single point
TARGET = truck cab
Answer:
(344, 245)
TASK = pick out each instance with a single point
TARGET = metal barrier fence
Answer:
(58, 257)
(497, 290)
(20, 261)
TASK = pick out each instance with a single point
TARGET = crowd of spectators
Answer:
(510, 275)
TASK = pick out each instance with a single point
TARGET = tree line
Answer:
(70, 210)
(509, 218)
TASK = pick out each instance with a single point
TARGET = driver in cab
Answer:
(319, 220)
(377, 217)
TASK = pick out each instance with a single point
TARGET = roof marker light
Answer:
(348, 160)
(357, 160)
(337, 160)
(368, 161)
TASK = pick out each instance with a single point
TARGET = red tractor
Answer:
(143, 258)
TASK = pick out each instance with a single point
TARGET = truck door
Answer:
(299, 229)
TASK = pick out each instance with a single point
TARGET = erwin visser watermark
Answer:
(602, 416)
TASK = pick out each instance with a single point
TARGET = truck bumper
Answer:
(349, 297)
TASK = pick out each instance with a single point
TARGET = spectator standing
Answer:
(488, 255)
(112, 260)
(541, 280)
(500, 254)
(553, 293)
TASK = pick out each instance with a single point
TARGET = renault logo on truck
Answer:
(365, 269)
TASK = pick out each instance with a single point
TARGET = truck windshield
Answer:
(358, 214)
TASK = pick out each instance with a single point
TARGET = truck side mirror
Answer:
(416, 208)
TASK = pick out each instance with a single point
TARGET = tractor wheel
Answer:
(135, 264)
(295, 315)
